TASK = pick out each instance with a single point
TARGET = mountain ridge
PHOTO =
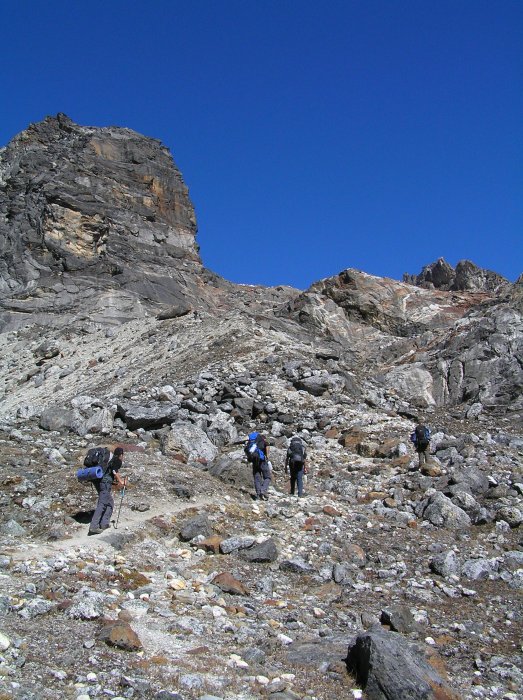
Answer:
(113, 332)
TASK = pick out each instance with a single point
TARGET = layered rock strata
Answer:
(93, 220)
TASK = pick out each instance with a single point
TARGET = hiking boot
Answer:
(302, 495)
(105, 527)
(95, 531)
(264, 497)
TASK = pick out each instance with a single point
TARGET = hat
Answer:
(118, 451)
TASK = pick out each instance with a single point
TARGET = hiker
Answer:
(101, 519)
(421, 439)
(257, 452)
(295, 462)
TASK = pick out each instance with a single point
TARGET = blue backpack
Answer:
(252, 448)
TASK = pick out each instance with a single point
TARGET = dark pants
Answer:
(262, 476)
(104, 507)
(296, 471)
(423, 453)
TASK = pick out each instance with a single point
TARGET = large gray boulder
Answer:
(446, 564)
(263, 552)
(100, 421)
(155, 415)
(413, 383)
(470, 476)
(233, 469)
(191, 441)
(390, 668)
(221, 429)
(199, 525)
(61, 419)
(441, 511)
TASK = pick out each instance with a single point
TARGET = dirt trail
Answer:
(129, 521)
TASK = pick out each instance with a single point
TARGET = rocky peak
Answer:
(101, 210)
(466, 276)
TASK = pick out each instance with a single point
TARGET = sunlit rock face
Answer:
(93, 217)
(428, 346)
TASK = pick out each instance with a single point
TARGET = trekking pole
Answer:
(121, 501)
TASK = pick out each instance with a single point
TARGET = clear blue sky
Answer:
(313, 136)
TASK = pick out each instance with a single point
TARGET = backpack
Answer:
(97, 457)
(296, 450)
(253, 447)
(96, 462)
(421, 436)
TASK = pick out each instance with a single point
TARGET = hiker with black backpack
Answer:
(420, 437)
(257, 453)
(295, 463)
(110, 464)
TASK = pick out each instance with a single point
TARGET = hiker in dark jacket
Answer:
(101, 519)
(295, 462)
(421, 439)
(257, 452)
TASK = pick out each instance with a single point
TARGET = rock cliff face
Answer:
(93, 220)
(430, 347)
(402, 570)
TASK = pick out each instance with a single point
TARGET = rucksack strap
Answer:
(107, 467)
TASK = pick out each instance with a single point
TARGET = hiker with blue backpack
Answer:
(110, 464)
(257, 453)
(420, 437)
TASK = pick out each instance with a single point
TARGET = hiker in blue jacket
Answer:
(101, 519)
(421, 439)
(257, 452)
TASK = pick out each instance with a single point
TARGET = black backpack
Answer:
(422, 436)
(296, 450)
(97, 457)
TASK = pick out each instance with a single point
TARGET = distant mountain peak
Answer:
(466, 276)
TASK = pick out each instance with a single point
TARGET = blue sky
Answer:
(313, 136)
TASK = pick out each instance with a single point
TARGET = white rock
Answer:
(59, 675)
(177, 584)
(5, 642)
(238, 661)
(469, 592)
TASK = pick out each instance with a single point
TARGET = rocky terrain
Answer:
(386, 581)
